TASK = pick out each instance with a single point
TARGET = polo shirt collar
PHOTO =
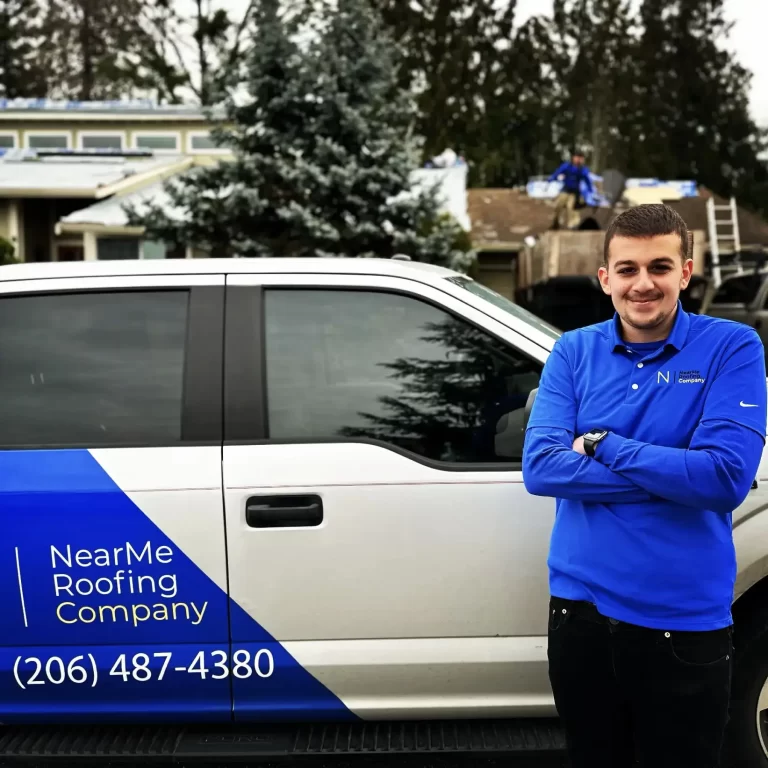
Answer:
(676, 338)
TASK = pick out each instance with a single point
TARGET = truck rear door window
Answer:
(92, 369)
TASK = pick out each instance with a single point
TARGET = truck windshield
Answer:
(508, 306)
(738, 290)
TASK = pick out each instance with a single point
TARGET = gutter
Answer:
(87, 193)
(489, 247)
(138, 180)
(87, 227)
(127, 184)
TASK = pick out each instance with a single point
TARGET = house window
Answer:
(117, 248)
(203, 142)
(101, 141)
(7, 141)
(48, 140)
(69, 252)
(151, 249)
(161, 142)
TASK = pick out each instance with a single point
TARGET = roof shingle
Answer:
(504, 217)
(753, 231)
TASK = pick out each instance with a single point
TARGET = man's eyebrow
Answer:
(659, 260)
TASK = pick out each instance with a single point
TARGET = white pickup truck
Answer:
(261, 508)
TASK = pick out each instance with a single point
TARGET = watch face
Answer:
(595, 434)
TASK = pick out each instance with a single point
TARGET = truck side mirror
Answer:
(529, 407)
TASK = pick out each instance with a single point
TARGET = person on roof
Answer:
(571, 174)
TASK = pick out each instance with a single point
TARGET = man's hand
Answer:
(578, 446)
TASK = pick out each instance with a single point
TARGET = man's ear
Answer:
(602, 275)
(687, 274)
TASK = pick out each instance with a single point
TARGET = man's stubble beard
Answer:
(647, 325)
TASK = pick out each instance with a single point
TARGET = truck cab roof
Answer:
(83, 269)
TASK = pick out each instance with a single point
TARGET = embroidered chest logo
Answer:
(680, 377)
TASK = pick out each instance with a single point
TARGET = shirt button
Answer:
(639, 365)
(634, 386)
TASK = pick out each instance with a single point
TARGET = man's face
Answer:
(644, 278)
(577, 159)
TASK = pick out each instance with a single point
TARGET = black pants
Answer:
(626, 693)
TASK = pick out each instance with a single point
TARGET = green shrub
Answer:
(7, 252)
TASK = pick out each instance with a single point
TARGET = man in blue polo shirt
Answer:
(648, 430)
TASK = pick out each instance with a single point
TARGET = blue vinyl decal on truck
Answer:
(105, 619)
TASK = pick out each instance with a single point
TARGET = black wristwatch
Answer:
(592, 438)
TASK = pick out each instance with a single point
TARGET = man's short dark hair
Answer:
(650, 220)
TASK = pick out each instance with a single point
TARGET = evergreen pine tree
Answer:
(323, 154)
(692, 107)
(20, 75)
(521, 111)
(95, 49)
(479, 83)
(588, 46)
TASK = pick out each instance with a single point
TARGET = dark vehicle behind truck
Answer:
(743, 298)
(573, 301)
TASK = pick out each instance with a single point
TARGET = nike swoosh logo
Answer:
(747, 405)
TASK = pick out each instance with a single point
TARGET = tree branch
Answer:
(240, 29)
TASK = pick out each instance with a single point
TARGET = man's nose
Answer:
(643, 284)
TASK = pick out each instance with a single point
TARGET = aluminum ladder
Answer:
(720, 241)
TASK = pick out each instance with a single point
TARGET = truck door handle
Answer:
(284, 511)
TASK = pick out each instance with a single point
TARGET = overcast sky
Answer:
(750, 19)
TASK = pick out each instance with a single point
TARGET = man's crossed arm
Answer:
(715, 472)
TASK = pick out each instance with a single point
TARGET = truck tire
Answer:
(747, 735)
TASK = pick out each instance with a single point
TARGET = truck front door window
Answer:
(391, 368)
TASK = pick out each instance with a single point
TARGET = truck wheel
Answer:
(748, 728)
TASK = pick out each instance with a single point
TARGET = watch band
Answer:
(591, 440)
